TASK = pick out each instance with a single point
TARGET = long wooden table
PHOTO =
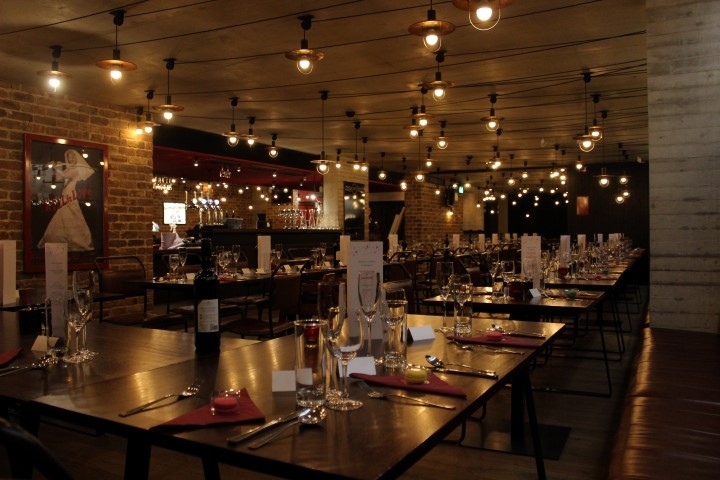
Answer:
(380, 440)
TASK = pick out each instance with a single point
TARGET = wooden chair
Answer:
(115, 274)
(25, 453)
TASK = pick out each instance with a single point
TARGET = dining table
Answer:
(380, 440)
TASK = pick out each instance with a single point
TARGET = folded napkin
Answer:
(505, 341)
(581, 294)
(434, 385)
(246, 411)
(9, 356)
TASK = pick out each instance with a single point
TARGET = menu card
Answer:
(581, 242)
(9, 274)
(263, 253)
(344, 249)
(363, 256)
(599, 237)
(455, 241)
(531, 251)
(564, 248)
(495, 239)
(56, 283)
(481, 242)
(392, 243)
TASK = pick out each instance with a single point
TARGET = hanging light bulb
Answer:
(492, 122)
(382, 174)
(304, 56)
(432, 30)
(233, 137)
(442, 141)
(337, 159)
(149, 123)
(429, 160)
(603, 178)
(482, 14)
(272, 149)
(585, 141)
(322, 165)
(623, 179)
(139, 128)
(579, 165)
(54, 76)
(250, 137)
(168, 109)
(414, 129)
(439, 87)
(596, 131)
(115, 65)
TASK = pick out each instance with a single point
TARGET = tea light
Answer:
(415, 375)
(494, 335)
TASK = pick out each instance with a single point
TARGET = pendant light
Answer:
(429, 160)
(149, 123)
(382, 174)
(422, 117)
(250, 137)
(304, 56)
(492, 122)
(441, 141)
(272, 149)
(233, 137)
(603, 178)
(403, 182)
(419, 174)
(511, 180)
(585, 141)
(363, 164)
(432, 30)
(168, 109)
(596, 131)
(414, 129)
(356, 162)
(139, 128)
(337, 159)
(482, 14)
(116, 66)
(322, 165)
(54, 76)
(439, 87)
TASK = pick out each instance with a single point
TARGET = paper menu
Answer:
(392, 244)
(531, 252)
(344, 249)
(56, 283)
(263, 253)
(455, 241)
(9, 273)
(363, 256)
(495, 239)
(581, 242)
(481, 242)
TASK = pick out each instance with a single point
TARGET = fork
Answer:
(43, 362)
(190, 390)
(386, 396)
(465, 346)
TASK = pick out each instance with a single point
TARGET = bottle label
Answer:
(208, 313)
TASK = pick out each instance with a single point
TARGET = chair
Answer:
(115, 274)
(406, 285)
(283, 305)
(26, 453)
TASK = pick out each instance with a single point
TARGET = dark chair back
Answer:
(25, 453)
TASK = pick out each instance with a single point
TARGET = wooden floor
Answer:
(591, 420)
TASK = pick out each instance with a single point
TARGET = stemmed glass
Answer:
(331, 301)
(443, 276)
(236, 256)
(84, 287)
(345, 346)
(223, 260)
(182, 256)
(174, 263)
(508, 267)
(369, 295)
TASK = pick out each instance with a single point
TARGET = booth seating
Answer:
(670, 424)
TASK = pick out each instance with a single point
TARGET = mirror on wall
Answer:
(354, 216)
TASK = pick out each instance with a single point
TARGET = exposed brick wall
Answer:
(29, 110)
(426, 216)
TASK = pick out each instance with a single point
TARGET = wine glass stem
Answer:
(369, 340)
(346, 394)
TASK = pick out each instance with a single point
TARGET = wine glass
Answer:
(369, 294)
(84, 288)
(174, 263)
(345, 346)
(182, 256)
(443, 276)
(392, 310)
(223, 260)
(236, 250)
(462, 289)
(76, 321)
(508, 267)
(331, 301)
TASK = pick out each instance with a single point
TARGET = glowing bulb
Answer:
(139, 130)
(403, 185)
(432, 41)
(167, 114)
(484, 13)
(428, 162)
(604, 182)
(115, 75)
(305, 66)
(586, 144)
(148, 128)
(54, 83)
(439, 93)
(232, 140)
(423, 122)
(273, 152)
(442, 143)
(492, 125)
(414, 132)
(250, 142)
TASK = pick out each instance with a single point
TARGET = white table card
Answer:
(495, 239)
(344, 249)
(283, 381)
(481, 242)
(9, 274)
(420, 333)
(581, 242)
(263, 253)
(531, 251)
(363, 256)
(364, 365)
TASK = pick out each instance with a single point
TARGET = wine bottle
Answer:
(207, 306)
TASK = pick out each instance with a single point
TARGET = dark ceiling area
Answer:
(549, 69)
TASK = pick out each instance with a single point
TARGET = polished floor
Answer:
(591, 421)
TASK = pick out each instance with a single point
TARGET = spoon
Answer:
(437, 363)
(308, 416)
(500, 329)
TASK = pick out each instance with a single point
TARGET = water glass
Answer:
(462, 293)
(393, 311)
(56, 327)
(309, 362)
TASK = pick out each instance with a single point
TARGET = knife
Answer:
(524, 334)
(251, 433)
(476, 373)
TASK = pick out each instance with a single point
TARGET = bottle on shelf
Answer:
(207, 306)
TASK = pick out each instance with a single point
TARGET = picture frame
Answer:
(65, 200)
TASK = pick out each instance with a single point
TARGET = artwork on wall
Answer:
(65, 201)
(582, 206)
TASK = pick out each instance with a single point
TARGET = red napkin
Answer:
(505, 341)
(434, 385)
(9, 356)
(580, 294)
(246, 411)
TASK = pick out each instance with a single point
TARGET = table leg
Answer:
(211, 469)
(137, 458)
(521, 395)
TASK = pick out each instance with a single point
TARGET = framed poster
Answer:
(582, 206)
(65, 201)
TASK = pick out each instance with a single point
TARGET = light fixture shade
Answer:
(585, 143)
(603, 178)
(54, 76)
(482, 14)
(168, 109)
(272, 151)
(596, 132)
(441, 141)
(304, 56)
(432, 31)
(419, 176)
(321, 166)
(232, 138)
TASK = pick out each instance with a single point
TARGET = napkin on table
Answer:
(9, 356)
(434, 385)
(505, 341)
(245, 412)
